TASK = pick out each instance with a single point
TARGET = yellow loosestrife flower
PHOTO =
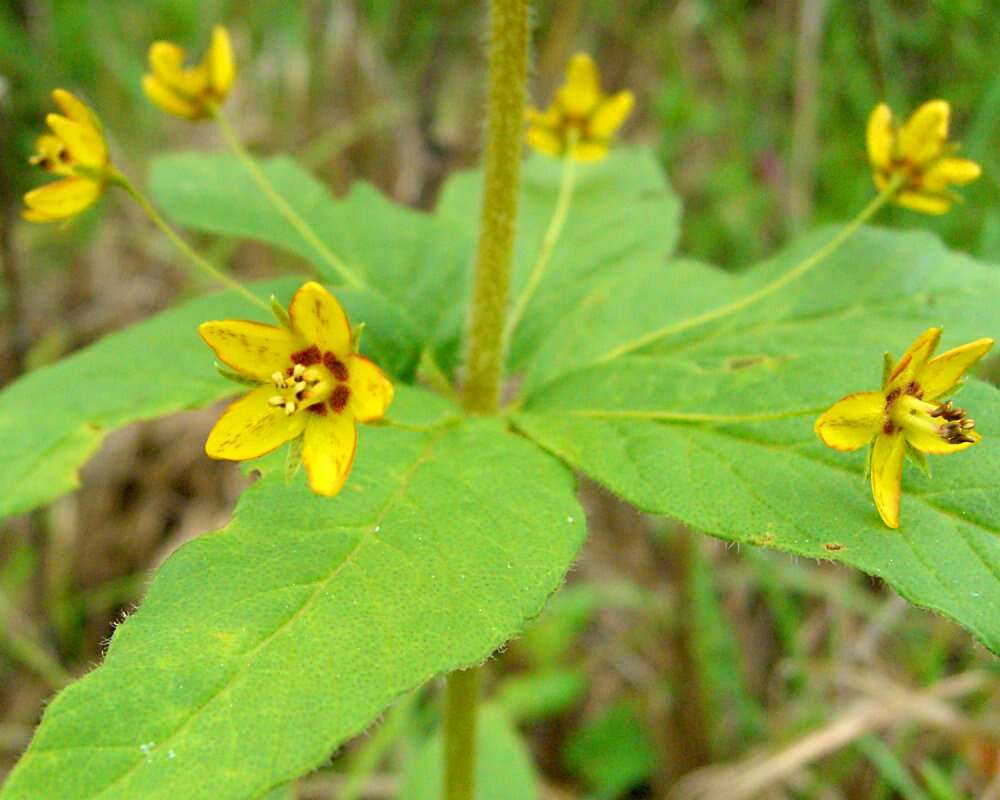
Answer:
(313, 385)
(908, 412)
(919, 152)
(190, 92)
(582, 119)
(75, 150)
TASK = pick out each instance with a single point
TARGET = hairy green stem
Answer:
(462, 697)
(193, 256)
(552, 234)
(281, 204)
(502, 170)
(502, 177)
(768, 289)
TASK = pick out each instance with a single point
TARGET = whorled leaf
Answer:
(262, 647)
(707, 417)
(733, 454)
(876, 292)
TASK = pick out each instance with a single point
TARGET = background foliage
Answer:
(668, 653)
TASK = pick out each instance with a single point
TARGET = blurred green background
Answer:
(671, 663)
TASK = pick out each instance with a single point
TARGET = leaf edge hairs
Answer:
(918, 152)
(908, 412)
(311, 383)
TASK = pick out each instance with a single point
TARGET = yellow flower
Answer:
(907, 412)
(582, 119)
(75, 151)
(313, 385)
(920, 154)
(190, 92)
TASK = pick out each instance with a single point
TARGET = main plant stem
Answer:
(502, 170)
(461, 700)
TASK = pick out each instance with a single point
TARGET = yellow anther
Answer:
(298, 371)
(277, 400)
(290, 407)
(279, 380)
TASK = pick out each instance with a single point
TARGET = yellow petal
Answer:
(924, 202)
(220, 62)
(544, 141)
(61, 199)
(880, 136)
(251, 427)
(951, 172)
(328, 451)
(925, 132)
(251, 348)
(165, 58)
(852, 422)
(582, 90)
(371, 391)
(912, 361)
(610, 114)
(887, 475)
(589, 151)
(925, 439)
(33, 215)
(168, 100)
(940, 374)
(319, 319)
(84, 145)
(76, 110)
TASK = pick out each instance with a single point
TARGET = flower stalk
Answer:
(887, 194)
(280, 203)
(552, 234)
(199, 261)
(508, 71)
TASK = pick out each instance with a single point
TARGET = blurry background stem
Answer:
(548, 243)
(189, 252)
(502, 177)
(281, 204)
(805, 145)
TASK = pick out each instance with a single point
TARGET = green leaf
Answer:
(773, 483)
(622, 212)
(876, 292)
(54, 418)
(418, 263)
(713, 425)
(611, 753)
(261, 648)
(503, 765)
